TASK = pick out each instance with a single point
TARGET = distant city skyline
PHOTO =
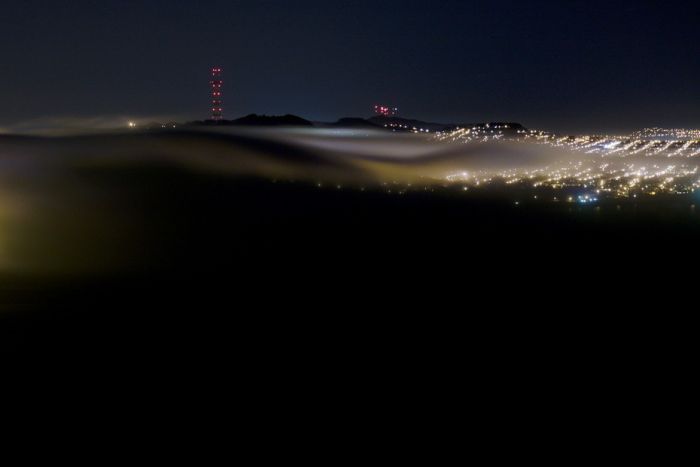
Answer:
(575, 66)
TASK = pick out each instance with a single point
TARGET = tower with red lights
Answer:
(216, 83)
(385, 111)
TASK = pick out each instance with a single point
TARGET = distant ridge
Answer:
(259, 120)
(355, 122)
(272, 120)
(407, 124)
(396, 124)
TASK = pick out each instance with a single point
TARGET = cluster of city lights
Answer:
(402, 127)
(594, 178)
(667, 133)
(487, 132)
(597, 166)
(624, 146)
(639, 143)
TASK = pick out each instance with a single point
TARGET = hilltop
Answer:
(259, 120)
(396, 124)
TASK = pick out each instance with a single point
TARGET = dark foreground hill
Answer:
(170, 259)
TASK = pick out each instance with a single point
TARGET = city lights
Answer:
(621, 167)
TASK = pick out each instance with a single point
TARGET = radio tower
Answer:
(217, 111)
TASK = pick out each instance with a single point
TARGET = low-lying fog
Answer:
(78, 202)
(313, 154)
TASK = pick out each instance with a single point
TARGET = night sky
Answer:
(560, 65)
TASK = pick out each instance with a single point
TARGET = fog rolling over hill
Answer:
(165, 218)
(80, 204)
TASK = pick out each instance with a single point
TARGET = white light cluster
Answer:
(611, 178)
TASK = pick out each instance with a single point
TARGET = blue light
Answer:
(587, 199)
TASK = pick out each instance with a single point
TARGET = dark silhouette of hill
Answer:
(355, 122)
(272, 120)
(377, 122)
(259, 120)
(409, 124)
(506, 126)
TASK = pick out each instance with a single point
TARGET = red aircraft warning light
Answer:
(216, 83)
(386, 111)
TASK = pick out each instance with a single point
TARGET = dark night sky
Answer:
(560, 65)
